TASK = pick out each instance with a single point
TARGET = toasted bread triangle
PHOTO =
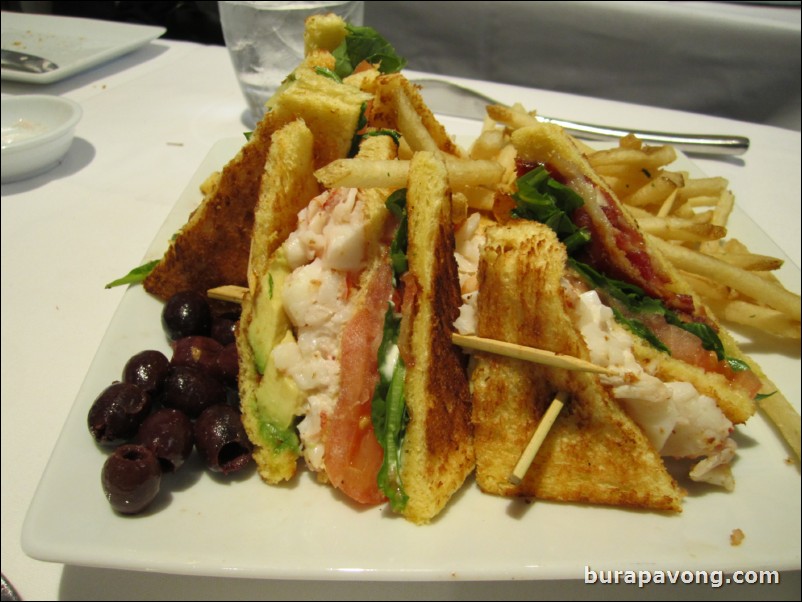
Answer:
(594, 453)
(437, 453)
(550, 145)
(212, 248)
(288, 187)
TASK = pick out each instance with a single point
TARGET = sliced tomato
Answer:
(353, 455)
(688, 348)
(747, 381)
(684, 345)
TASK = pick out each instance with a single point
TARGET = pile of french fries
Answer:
(685, 218)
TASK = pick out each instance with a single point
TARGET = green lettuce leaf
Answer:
(397, 205)
(136, 275)
(365, 44)
(326, 72)
(542, 198)
(389, 412)
(361, 124)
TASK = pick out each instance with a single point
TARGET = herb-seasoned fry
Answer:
(676, 228)
(367, 173)
(765, 292)
(411, 126)
(655, 191)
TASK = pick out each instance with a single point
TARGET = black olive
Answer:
(221, 439)
(186, 314)
(168, 433)
(131, 478)
(147, 370)
(191, 390)
(224, 329)
(199, 352)
(117, 412)
(227, 365)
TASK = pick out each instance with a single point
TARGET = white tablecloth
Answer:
(149, 119)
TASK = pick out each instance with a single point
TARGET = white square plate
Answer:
(205, 525)
(71, 43)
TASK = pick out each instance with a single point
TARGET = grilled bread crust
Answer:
(288, 186)
(594, 453)
(437, 452)
(330, 109)
(213, 248)
(550, 145)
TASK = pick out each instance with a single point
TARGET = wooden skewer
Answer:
(232, 293)
(528, 456)
(235, 294)
(530, 354)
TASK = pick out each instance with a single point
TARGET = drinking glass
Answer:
(266, 42)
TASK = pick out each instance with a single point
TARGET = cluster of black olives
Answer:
(163, 408)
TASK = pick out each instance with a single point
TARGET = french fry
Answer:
(703, 201)
(364, 173)
(668, 204)
(464, 172)
(709, 289)
(511, 117)
(719, 298)
(583, 148)
(623, 186)
(404, 151)
(648, 157)
(631, 141)
(685, 211)
(506, 158)
(411, 126)
(748, 283)
(783, 415)
(674, 228)
(655, 191)
(632, 173)
(488, 125)
(459, 207)
(368, 173)
(639, 213)
(488, 145)
(721, 214)
(733, 245)
(749, 261)
(696, 187)
(702, 217)
(756, 316)
(477, 197)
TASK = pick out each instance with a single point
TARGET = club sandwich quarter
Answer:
(344, 340)
(567, 270)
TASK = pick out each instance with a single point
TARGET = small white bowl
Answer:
(37, 132)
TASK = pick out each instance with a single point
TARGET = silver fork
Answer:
(448, 98)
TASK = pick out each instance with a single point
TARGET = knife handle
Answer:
(707, 144)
